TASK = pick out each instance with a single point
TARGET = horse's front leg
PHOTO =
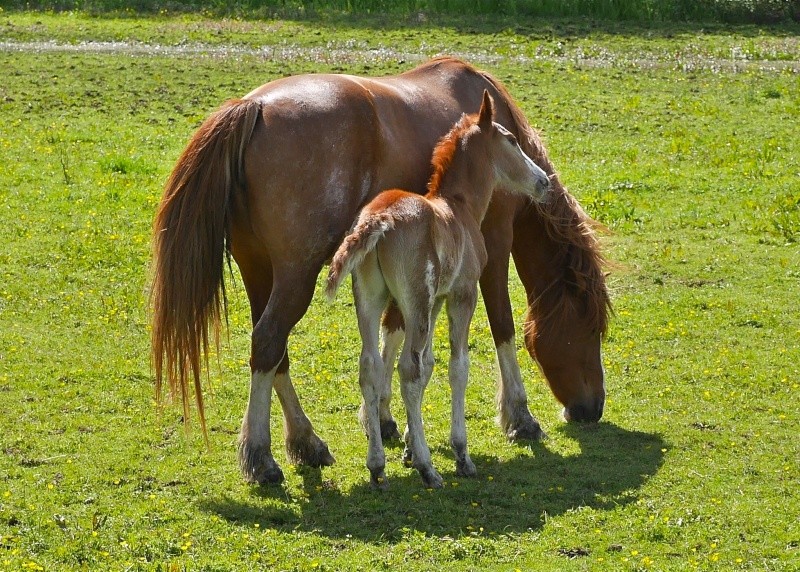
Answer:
(460, 308)
(514, 416)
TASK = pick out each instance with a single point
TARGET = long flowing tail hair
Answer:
(190, 244)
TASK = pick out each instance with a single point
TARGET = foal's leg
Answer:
(393, 334)
(393, 330)
(370, 293)
(414, 376)
(427, 369)
(514, 416)
(460, 308)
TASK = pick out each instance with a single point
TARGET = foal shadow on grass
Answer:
(508, 496)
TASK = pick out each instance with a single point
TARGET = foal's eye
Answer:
(511, 139)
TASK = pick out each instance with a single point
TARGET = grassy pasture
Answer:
(693, 163)
(753, 11)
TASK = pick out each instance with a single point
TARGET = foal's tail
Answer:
(190, 243)
(355, 246)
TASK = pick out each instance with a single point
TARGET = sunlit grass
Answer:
(616, 10)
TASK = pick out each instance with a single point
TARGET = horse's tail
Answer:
(190, 243)
(354, 248)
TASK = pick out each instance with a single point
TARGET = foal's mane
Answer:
(445, 150)
(577, 247)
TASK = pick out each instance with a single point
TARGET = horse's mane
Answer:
(445, 150)
(571, 229)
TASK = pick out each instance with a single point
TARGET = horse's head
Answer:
(513, 169)
(569, 356)
(568, 304)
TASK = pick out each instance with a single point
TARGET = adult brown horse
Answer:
(276, 179)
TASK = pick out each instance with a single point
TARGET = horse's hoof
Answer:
(274, 476)
(431, 478)
(258, 466)
(311, 451)
(264, 474)
(389, 431)
(529, 431)
(466, 468)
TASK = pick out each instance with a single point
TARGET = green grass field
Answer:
(741, 11)
(684, 142)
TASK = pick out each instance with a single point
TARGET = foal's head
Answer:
(489, 155)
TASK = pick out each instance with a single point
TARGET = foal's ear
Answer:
(486, 115)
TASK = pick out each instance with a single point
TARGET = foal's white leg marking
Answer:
(430, 281)
(255, 442)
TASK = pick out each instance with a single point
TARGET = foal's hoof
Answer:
(466, 468)
(378, 481)
(431, 478)
(311, 451)
(389, 430)
(408, 458)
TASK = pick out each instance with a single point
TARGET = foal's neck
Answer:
(464, 186)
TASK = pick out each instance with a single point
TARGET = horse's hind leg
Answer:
(255, 440)
(290, 296)
(303, 446)
(460, 308)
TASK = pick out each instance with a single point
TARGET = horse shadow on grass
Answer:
(508, 496)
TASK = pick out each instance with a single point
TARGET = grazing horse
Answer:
(275, 180)
(422, 251)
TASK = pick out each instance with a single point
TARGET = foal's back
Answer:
(425, 250)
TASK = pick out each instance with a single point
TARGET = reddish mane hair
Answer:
(575, 233)
(445, 150)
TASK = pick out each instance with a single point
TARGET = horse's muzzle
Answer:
(589, 412)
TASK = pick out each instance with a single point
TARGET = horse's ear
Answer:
(486, 115)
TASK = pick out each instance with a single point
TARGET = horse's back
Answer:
(326, 144)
